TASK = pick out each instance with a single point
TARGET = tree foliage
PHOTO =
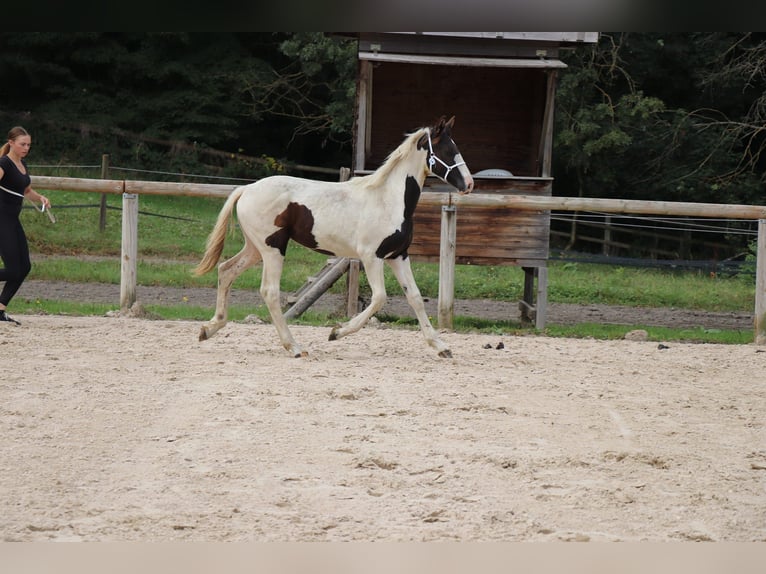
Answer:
(671, 116)
(315, 91)
(84, 93)
(664, 116)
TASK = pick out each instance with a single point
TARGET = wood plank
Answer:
(489, 44)
(576, 37)
(468, 61)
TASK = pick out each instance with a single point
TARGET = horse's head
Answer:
(444, 159)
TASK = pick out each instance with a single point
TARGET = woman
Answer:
(15, 182)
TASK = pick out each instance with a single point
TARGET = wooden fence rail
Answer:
(130, 189)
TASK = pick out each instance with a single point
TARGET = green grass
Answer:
(179, 230)
(171, 243)
(657, 334)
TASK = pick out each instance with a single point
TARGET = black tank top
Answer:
(14, 180)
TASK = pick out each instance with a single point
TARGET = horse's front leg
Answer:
(403, 271)
(374, 270)
(228, 271)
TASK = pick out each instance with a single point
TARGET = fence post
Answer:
(128, 261)
(354, 266)
(104, 175)
(447, 249)
(760, 285)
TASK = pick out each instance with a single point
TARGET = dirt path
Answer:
(558, 313)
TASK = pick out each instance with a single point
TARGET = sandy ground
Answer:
(120, 429)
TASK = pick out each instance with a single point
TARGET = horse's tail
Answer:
(216, 239)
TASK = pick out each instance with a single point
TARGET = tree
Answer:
(601, 118)
(663, 117)
(740, 70)
(644, 116)
(315, 89)
(83, 94)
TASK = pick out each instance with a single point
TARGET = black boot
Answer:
(4, 317)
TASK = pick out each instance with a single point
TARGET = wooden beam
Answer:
(472, 62)
(324, 281)
(173, 188)
(546, 141)
(760, 286)
(363, 115)
(79, 184)
(633, 206)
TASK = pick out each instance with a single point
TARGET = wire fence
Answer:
(714, 244)
(659, 224)
(178, 176)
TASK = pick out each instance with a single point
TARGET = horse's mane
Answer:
(393, 159)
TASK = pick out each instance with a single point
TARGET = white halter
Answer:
(433, 158)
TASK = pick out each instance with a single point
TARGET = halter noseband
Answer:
(433, 158)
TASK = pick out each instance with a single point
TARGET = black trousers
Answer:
(14, 251)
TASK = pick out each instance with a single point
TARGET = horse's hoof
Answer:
(203, 334)
(445, 354)
(334, 334)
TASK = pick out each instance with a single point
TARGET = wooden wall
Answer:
(499, 111)
(488, 236)
(499, 125)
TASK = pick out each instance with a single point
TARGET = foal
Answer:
(367, 218)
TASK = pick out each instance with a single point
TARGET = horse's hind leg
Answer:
(403, 271)
(272, 273)
(228, 271)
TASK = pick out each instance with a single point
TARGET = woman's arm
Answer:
(34, 196)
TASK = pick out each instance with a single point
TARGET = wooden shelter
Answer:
(501, 88)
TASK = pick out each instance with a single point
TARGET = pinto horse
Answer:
(367, 218)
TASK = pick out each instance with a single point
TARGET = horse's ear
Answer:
(442, 126)
(439, 127)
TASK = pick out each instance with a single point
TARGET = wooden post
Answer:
(527, 303)
(354, 266)
(364, 115)
(104, 175)
(316, 289)
(546, 141)
(129, 257)
(352, 287)
(760, 285)
(541, 306)
(447, 250)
